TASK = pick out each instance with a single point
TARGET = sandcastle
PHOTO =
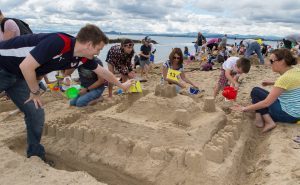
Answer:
(148, 138)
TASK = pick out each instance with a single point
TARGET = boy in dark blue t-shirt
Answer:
(24, 59)
(93, 87)
(145, 56)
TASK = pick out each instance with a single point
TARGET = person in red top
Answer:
(24, 59)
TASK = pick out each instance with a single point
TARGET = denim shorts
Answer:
(143, 62)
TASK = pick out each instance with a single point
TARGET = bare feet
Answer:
(268, 127)
(259, 122)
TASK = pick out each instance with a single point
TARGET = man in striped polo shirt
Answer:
(24, 59)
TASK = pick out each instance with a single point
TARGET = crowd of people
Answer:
(36, 55)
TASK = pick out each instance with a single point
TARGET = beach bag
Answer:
(23, 26)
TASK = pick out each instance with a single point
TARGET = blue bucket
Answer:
(194, 90)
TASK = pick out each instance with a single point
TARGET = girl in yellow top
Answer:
(282, 103)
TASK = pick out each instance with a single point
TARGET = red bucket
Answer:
(230, 93)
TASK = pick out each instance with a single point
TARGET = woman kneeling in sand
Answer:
(282, 103)
(175, 62)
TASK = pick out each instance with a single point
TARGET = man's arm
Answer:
(146, 56)
(107, 75)
(28, 66)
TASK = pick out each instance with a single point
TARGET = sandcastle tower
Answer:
(167, 90)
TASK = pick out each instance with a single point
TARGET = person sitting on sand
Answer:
(119, 60)
(231, 70)
(93, 87)
(186, 53)
(282, 103)
(175, 62)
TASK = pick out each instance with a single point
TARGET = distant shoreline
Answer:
(192, 36)
(119, 40)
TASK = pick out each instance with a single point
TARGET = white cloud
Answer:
(259, 17)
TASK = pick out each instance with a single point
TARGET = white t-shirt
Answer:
(152, 47)
(230, 63)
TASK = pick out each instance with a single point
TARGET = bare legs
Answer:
(145, 70)
(259, 122)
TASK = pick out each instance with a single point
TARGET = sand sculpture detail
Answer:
(125, 149)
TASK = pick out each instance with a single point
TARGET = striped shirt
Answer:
(290, 98)
(53, 51)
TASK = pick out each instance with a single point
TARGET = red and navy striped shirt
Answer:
(53, 51)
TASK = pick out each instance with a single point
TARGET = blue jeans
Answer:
(258, 94)
(254, 46)
(84, 100)
(17, 89)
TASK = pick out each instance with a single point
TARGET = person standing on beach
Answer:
(153, 50)
(199, 41)
(11, 27)
(294, 38)
(34, 56)
(119, 60)
(223, 42)
(145, 56)
(251, 46)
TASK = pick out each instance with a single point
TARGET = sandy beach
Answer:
(146, 138)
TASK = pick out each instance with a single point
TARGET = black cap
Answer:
(147, 39)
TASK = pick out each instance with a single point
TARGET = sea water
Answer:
(163, 48)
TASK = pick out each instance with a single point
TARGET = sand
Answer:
(153, 138)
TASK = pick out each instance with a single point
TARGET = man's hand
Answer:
(36, 100)
(127, 84)
(82, 91)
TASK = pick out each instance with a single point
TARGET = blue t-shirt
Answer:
(86, 76)
(53, 51)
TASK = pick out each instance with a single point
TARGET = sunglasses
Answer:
(178, 58)
(130, 45)
(272, 61)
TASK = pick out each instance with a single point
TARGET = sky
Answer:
(245, 17)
